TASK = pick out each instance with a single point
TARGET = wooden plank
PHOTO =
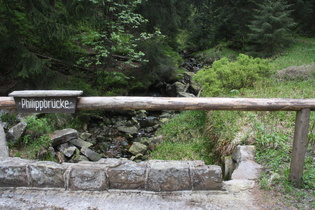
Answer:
(165, 103)
(168, 103)
(46, 93)
(7, 103)
(299, 146)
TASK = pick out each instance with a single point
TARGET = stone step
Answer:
(153, 175)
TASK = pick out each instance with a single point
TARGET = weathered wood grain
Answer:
(46, 93)
(299, 146)
(168, 103)
(7, 103)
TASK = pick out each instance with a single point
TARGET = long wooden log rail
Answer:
(303, 107)
(181, 104)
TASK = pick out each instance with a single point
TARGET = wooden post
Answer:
(299, 146)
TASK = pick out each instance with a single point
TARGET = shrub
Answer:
(225, 75)
(36, 132)
(297, 73)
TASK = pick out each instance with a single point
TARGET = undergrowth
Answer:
(185, 139)
(271, 132)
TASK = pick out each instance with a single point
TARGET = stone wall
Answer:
(153, 175)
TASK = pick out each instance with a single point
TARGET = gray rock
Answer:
(238, 185)
(4, 150)
(195, 87)
(85, 136)
(138, 148)
(174, 89)
(16, 132)
(148, 121)
(128, 130)
(152, 142)
(66, 149)
(90, 154)
(87, 177)
(46, 174)
(205, 177)
(111, 162)
(229, 167)
(180, 87)
(188, 95)
(63, 136)
(4, 124)
(80, 143)
(188, 76)
(13, 172)
(168, 176)
(100, 138)
(243, 153)
(79, 158)
(249, 170)
(142, 114)
(129, 175)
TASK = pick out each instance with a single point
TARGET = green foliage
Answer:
(301, 53)
(184, 139)
(35, 138)
(36, 133)
(9, 118)
(303, 12)
(77, 83)
(225, 75)
(270, 29)
(160, 66)
(112, 83)
(116, 33)
(170, 17)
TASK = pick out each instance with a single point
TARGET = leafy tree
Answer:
(116, 31)
(271, 27)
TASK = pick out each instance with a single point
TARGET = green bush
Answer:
(36, 133)
(225, 75)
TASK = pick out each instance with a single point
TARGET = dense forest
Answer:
(111, 47)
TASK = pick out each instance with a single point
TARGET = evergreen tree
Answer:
(304, 15)
(168, 16)
(271, 27)
(216, 21)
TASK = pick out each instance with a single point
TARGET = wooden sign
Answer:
(46, 101)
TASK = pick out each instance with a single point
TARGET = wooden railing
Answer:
(303, 107)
